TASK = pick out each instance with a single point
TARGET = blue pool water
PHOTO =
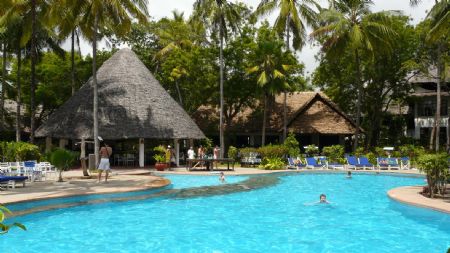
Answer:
(361, 218)
(183, 181)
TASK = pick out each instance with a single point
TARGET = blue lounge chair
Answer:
(365, 163)
(330, 165)
(405, 163)
(382, 163)
(13, 180)
(312, 163)
(393, 163)
(352, 163)
(293, 165)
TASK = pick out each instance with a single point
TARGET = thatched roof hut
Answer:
(132, 104)
(307, 113)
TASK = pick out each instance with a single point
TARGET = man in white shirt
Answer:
(191, 153)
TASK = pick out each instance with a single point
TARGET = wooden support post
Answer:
(141, 153)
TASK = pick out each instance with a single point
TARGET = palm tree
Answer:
(113, 15)
(290, 18)
(350, 26)
(439, 17)
(220, 15)
(271, 74)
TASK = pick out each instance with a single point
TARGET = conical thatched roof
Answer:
(132, 104)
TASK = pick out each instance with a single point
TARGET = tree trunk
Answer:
(2, 102)
(60, 179)
(179, 93)
(33, 70)
(433, 131)
(19, 91)
(94, 82)
(263, 134)
(358, 102)
(440, 67)
(222, 144)
(72, 59)
(83, 157)
(285, 93)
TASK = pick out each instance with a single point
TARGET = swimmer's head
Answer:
(323, 198)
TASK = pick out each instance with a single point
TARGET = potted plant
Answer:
(160, 158)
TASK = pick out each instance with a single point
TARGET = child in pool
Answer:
(222, 177)
(349, 174)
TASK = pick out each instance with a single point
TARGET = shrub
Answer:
(372, 157)
(19, 151)
(275, 163)
(245, 152)
(62, 159)
(312, 150)
(334, 153)
(233, 153)
(359, 151)
(436, 168)
(292, 145)
(273, 151)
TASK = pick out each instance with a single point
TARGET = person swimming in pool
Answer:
(323, 199)
(349, 174)
(222, 177)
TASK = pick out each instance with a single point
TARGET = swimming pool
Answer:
(361, 218)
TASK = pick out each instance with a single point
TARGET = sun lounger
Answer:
(393, 163)
(12, 180)
(365, 163)
(382, 163)
(352, 163)
(312, 163)
(405, 163)
(295, 166)
(330, 165)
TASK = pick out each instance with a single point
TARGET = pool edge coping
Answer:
(410, 195)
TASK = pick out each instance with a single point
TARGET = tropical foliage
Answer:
(62, 159)
(436, 168)
(4, 228)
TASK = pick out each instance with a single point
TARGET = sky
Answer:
(164, 8)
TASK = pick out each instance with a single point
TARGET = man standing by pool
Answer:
(105, 153)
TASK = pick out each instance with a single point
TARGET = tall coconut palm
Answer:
(221, 15)
(67, 24)
(351, 26)
(271, 74)
(96, 16)
(437, 35)
(294, 16)
(35, 24)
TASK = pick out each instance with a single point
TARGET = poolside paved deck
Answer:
(120, 181)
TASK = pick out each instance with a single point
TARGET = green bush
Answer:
(233, 153)
(275, 163)
(62, 159)
(292, 145)
(359, 151)
(273, 151)
(372, 157)
(312, 150)
(19, 151)
(334, 153)
(245, 152)
(436, 168)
